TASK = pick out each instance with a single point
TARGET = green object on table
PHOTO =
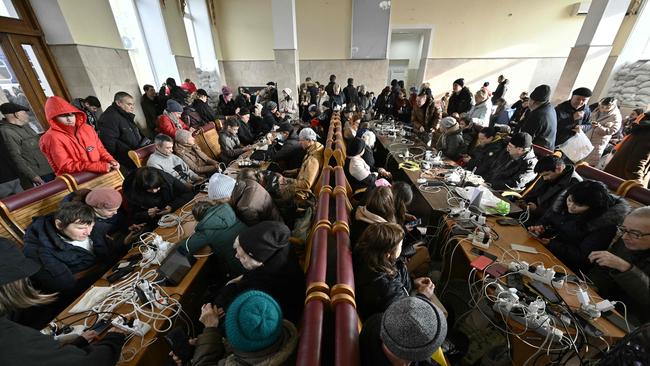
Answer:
(503, 207)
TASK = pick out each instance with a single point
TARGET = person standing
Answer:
(151, 107)
(631, 161)
(90, 105)
(501, 90)
(350, 92)
(541, 122)
(461, 100)
(71, 145)
(21, 144)
(201, 106)
(605, 122)
(118, 131)
(572, 115)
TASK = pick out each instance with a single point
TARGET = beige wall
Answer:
(245, 29)
(488, 29)
(91, 22)
(175, 29)
(324, 29)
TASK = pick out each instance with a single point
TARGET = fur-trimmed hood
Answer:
(612, 216)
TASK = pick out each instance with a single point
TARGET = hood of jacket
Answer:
(56, 106)
(275, 355)
(614, 215)
(362, 214)
(219, 217)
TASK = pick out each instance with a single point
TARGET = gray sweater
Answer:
(173, 165)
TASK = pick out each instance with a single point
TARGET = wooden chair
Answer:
(141, 155)
(7, 232)
(20, 208)
(207, 138)
(88, 180)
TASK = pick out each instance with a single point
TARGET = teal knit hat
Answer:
(253, 321)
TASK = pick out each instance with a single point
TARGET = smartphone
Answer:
(414, 222)
(507, 221)
(545, 291)
(101, 326)
(479, 252)
(179, 343)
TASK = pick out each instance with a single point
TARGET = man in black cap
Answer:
(20, 143)
(201, 107)
(572, 114)
(515, 166)
(541, 121)
(246, 136)
(268, 94)
(271, 266)
(409, 332)
(461, 100)
(22, 345)
(287, 151)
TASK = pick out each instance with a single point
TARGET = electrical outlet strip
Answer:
(139, 328)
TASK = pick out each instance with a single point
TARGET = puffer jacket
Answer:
(376, 291)
(23, 154)
(59, 260)
(218, 229)
(452, 144)
(578, 235)
(72, 149)
(511, 174)
(544, 193)
(196, 160)
(290, 107)
(120, 134)
(309, 170)
(425, 116)
(461, 102)
(253, 203)
(482, 157)
(480, 113)
(358, 173)
(607, 124)
(166, 125)
(541, 124)
(230, 147)
(210, 350)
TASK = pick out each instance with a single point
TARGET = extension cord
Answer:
(153, 296)
(139, 328)
(541, 274)
(538, 322)
(477, 240)
(75, 331)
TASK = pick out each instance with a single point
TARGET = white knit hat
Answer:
(307, 134)
(220, 186)
(287, 90)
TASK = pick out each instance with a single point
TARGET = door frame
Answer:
(426, 32)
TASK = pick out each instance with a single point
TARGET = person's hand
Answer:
(421, 128)
(578, 115)
(114, 165)
(577, 128)
(606, 259)
(209, 316)
(168, 209)
(536, 229)
(235, 280)
(408, 217)
(177, 360)
(424, 286)
(38, 181)
(384, 173)
(153, 211)
(89, 335)
(532, 206)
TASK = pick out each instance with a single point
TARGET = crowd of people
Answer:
(257, 297)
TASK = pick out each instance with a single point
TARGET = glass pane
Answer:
(7, 9)
(13, 92)
(38, 70)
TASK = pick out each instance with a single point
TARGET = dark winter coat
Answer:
(351, 95)
(204, 110)
(227, 108)
(452, 144)
(59, 260)
(566, 123)
(631, 287)
(483, 157)
(290, 154)
(151, 109)
(252, 203)
(461, 102)
(245, 134)
(26, 346)
(544, 193)
(120, 134)
(541, 124)
(230, 147)
(173, 193)
(578, 235)
(376, 291)
(425, 116)
(500, 91)
(511, 174)
(632, 160)
(23, 153)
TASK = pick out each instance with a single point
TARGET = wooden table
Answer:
(437, 201)
(189, 292)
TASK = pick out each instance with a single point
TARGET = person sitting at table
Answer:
(356, 169)
(582, 220)
(152, 193)
(61, 244)
(484, 154)
(413, 240)
(351, 127)
(217, 226)
(451, 143)
(22, 345)
(622, 272)
(287, 150)
(470, 132)
(164, 159)
(170, 121)
(379, 208)
(409, 332)
(195, 159)
(380, 273)
(245, 133)
(255, 333)
(252, 202)
(229, 141)
(311, 164)
(271, 266)
(514, 166)
(553, 178)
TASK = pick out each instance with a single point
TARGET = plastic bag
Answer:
(577, 147)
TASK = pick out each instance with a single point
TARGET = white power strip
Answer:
(139, 328)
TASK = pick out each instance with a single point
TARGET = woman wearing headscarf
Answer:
(605, 122)
(288, 105)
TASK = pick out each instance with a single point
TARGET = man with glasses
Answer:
(623, 271)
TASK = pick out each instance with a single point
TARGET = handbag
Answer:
(577, 147)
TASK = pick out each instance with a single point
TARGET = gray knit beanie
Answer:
(413, 328)
(220, 186)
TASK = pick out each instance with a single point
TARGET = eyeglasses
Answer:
(634, 234)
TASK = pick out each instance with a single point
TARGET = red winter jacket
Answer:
(71, 149)
(167, 127)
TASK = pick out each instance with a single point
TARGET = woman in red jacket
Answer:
(70, 144)
(170, 121)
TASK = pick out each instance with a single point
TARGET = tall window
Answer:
(191, 35)
(130, 28)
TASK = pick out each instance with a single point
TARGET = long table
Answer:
(189, 292)
(437, 200)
